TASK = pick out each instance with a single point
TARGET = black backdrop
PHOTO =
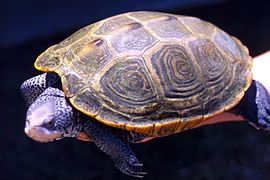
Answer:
(221, 151)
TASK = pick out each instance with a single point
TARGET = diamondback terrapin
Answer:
(140, 75)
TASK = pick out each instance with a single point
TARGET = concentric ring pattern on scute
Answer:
(216, 70)
(127, 84)
(178, 76)
(150, 72)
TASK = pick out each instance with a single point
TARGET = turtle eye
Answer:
(50, 123)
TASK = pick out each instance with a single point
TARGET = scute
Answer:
(75, 37)
(150, 72)
(113, 24)
(179, 78)
(217, 71)
(87, 102)
(90, 55)
(227, 44)
(72, 84)
(133, 37)
(198, 26)
(145, 16)
(128, 87)
(168, 27)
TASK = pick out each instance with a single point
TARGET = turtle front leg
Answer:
(120, 152)
(255, 106)
(33, 87)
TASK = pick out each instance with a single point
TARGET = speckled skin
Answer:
(62, 118)
(33, 87)
(255, 106)
(152, 73)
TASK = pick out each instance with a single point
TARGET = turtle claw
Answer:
(136, 171)
(138, 164)
(130, 168)
(139, 175)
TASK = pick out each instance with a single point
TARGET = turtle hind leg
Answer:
(263, 105)
(255, 106)
(123, 157)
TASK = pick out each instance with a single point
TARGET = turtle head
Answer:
(51, 117)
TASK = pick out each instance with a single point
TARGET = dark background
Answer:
(222, 151)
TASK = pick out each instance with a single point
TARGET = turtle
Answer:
(138, 76)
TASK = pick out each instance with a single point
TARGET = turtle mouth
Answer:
(42, 134)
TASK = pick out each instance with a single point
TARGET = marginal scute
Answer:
(163, 128)
(41, 60)
(47, 60)
(113, 117)
(52, 64)
(150, 72)
(86, 102)
(143, 127)
(239, 84)
(186, 108)
(72, 84)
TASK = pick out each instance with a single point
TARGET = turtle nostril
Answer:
(27, 131)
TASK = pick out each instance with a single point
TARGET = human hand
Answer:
(261, 70)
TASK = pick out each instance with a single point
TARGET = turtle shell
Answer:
(151, 72)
